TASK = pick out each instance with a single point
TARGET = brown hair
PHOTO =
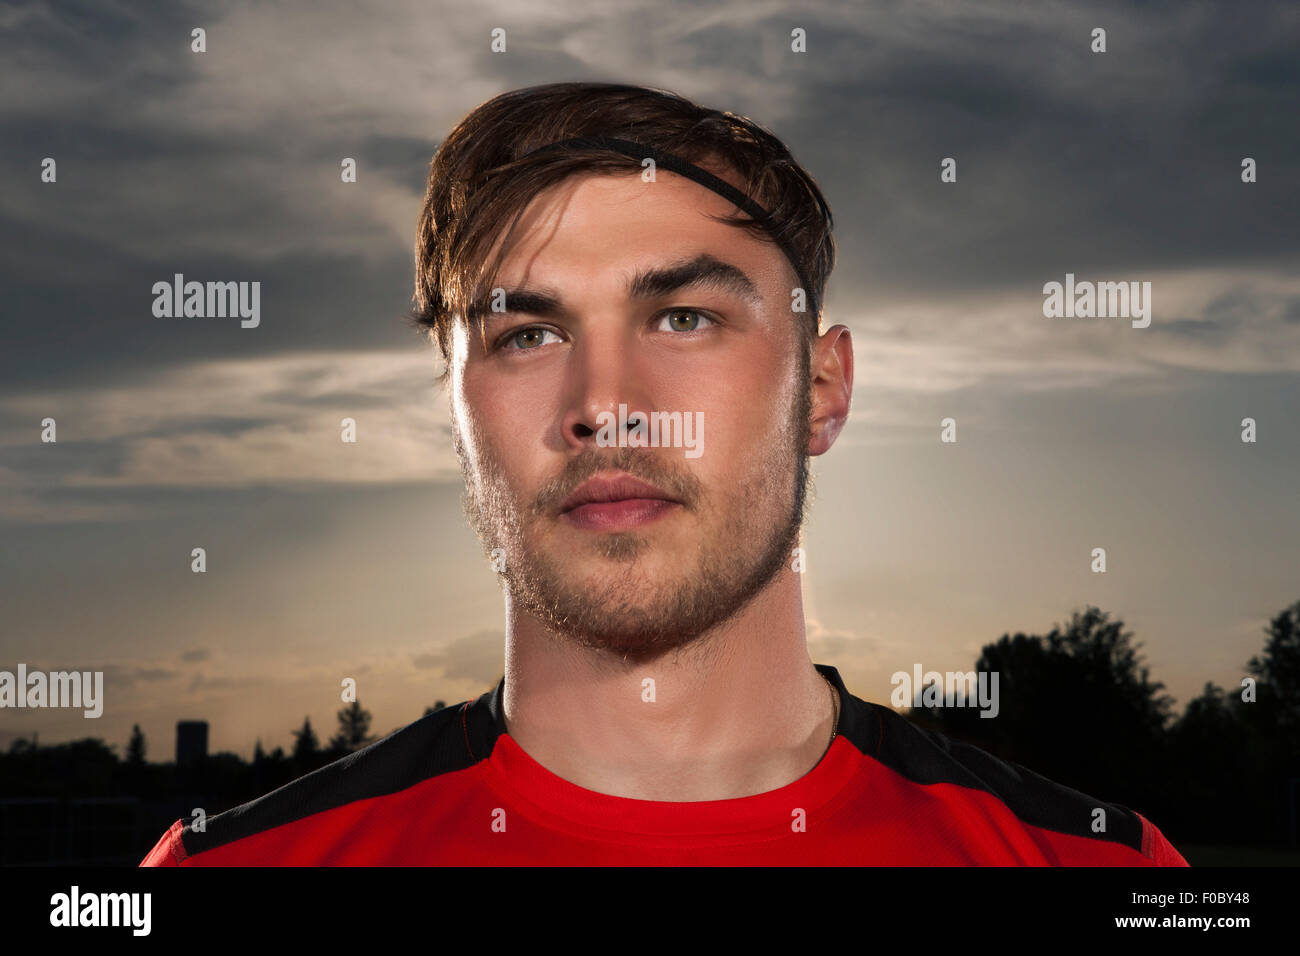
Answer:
(478, 177)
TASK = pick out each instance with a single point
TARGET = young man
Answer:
(626, 290)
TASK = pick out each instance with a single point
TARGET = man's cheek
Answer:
(730, 436)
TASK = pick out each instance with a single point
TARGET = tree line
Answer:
(1077, 705)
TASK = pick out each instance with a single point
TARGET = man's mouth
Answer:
(615, 501)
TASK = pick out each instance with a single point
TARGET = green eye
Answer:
(683, 320)
(527, 338)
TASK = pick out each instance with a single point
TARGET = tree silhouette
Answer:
(1216, 758)
(1077, 706)
(135, 749)
(305, 745)
(354, 729)
(1277, 670)
(437, 706)
(1274, 722)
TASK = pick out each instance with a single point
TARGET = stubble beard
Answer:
(753, 529)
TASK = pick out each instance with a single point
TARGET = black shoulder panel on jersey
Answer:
(450, 739)
(925, 757)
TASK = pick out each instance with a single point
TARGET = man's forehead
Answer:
(636, 224)
(591, 199)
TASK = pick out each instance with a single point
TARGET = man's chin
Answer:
(636, 575)
(582, 552)
(637, 608)
(634, 633)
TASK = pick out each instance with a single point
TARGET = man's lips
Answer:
(604, 489)
(615, 502)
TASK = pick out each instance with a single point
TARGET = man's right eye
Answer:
(524, 339)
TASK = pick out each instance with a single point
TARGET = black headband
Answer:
(681, 167)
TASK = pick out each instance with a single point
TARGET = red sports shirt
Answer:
(454, 788)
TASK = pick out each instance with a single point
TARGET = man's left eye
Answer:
(527, 338)
(683, 320)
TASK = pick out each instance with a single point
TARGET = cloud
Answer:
(154, 674)
(1013, 92)
(117, 676)
(846, 646)
(224, 682)
(226, 423)
(1227, 321)
(478, 657)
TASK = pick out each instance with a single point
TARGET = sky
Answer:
(327, 560)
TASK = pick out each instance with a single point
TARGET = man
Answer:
(626, 291)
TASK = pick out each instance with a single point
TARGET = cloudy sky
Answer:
(328, 560)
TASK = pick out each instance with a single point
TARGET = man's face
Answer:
(637, 572)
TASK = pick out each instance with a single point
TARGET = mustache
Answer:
(635, 462)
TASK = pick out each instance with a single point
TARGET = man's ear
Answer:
(832, 387)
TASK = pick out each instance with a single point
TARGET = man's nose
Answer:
(605, 371)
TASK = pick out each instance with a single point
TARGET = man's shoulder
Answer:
(439, 743)
(1067, 825)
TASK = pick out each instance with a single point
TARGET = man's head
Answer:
(653, 295)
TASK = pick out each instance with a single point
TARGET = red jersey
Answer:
(454, 788)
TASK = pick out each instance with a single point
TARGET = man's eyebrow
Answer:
(702, 271)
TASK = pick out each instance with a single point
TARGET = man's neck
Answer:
(740, 712)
